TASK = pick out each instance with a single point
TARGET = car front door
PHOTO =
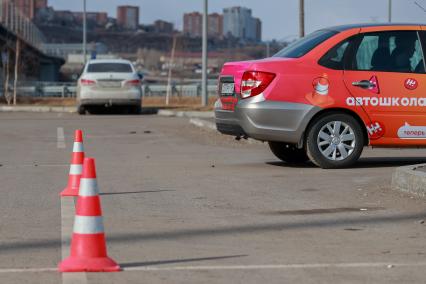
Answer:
(386, 77)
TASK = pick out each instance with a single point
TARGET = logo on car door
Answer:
(411, 84)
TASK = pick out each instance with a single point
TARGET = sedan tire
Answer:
(335, 141)
(288, 153)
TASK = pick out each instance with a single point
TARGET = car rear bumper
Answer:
(110, 102)
(265, 120)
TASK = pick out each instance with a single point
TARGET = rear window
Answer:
(109, 67)
(304, 45)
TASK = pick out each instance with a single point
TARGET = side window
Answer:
(398, 51)
(334, 58)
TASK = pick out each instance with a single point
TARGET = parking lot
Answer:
(186, 205)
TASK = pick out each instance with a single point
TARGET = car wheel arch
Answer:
(330, 111)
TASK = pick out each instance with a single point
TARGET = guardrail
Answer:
(67, 90)
(193, 90)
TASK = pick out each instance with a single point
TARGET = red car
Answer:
(326, 96)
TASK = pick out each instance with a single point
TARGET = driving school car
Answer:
(328, 95)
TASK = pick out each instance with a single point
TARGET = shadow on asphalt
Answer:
(133, 192)
(367, 162)
(120, 111)
(184, 234)
(160, 262)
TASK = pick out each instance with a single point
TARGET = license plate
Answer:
(110, 84)
(227, 89)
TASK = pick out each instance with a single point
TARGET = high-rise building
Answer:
(238, 22)
(258, 24)
(128, 17)
(193, 24)
(215, 25)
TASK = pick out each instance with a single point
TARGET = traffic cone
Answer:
(88, 246)
(76, 166)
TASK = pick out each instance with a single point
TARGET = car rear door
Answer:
(386, 77)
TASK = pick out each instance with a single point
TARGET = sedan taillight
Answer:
(135, 82)
(255, 82)
(87, 82)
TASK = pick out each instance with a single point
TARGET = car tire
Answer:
(81, 110)
(137, 110)
(288, 152)
(335, 141)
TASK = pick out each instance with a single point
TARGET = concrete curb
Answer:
(211, 126)
(407, 179)
(37, 109)
(203, 123)
(189, 114)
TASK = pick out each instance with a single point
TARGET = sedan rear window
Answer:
(109, 68)
(304, 45)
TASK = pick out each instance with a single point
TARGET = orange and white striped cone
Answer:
(76, 166)
(88, 246)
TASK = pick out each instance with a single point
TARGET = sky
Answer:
(279, 17)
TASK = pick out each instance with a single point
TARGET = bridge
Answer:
(20, 47)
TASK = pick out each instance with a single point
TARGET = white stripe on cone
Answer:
(76, 169)
(88, 187)
(78, 147)
(88, 224)
(322, 89)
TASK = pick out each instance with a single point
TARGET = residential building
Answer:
(238, 22)
(93, 18)
(215, 25)
(161, 26)
(258, 24)
(128, 17)
(193, 24)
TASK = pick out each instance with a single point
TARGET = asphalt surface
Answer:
(187, 205)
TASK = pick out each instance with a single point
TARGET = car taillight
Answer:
(255, 82)
(135, 82)
(87, 82)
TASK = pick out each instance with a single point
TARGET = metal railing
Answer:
(67, 90)
(15, 21)
(192, 90)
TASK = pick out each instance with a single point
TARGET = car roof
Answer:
(365, 25)
(109, 61)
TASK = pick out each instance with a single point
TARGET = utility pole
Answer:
(204, 94)
(15, 82)
(390, 11)
(301, 18)
(84, 33)
(169, 77)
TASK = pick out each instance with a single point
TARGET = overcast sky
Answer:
(279, 17)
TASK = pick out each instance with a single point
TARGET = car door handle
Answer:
(365, 84)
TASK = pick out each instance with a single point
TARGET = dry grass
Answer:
(181, 103)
